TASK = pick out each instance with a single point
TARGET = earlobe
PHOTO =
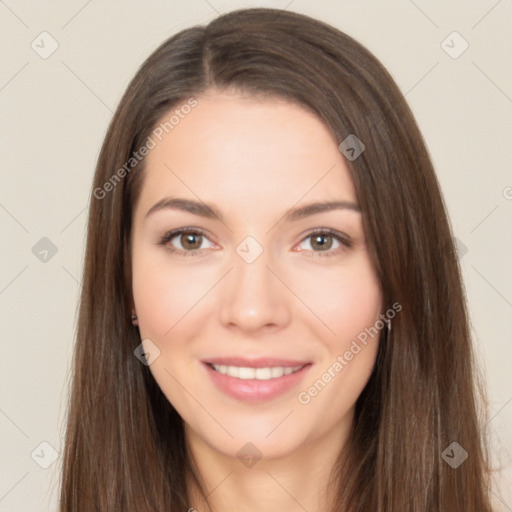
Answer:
(135, 320)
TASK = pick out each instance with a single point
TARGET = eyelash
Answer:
(344, 241)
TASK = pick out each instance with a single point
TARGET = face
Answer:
(233, 297)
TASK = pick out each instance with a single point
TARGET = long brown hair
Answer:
(125, 448)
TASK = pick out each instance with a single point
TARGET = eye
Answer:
(191, 241)
(322, 241)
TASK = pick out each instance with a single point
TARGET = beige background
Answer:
(54, 114)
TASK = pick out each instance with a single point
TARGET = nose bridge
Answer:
(253, 297)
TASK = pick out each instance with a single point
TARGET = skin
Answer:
(254, 159)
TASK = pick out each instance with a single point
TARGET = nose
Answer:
(253, 298)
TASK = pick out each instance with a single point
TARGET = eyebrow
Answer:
(210, 211)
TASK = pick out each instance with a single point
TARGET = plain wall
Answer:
(54, 115)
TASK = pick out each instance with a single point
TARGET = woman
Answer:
(272, 314)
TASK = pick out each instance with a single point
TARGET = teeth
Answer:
(254, 373)
(232, 371)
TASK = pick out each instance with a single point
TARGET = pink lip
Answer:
(254, 390)
(260, 362)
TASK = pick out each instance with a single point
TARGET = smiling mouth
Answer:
(256, 380)
(265, 373)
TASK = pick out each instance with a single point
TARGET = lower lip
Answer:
(254, 390)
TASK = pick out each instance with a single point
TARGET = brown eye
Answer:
(321, 242)
(190, 240)
(186, 242)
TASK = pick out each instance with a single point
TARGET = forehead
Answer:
(267, 151)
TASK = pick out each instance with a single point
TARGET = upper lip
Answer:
(259, 362)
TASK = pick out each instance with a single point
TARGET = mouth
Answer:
(255, 380)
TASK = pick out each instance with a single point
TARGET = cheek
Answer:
(346, 299)
(349, 303)
(164, 293)
(358, 306)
